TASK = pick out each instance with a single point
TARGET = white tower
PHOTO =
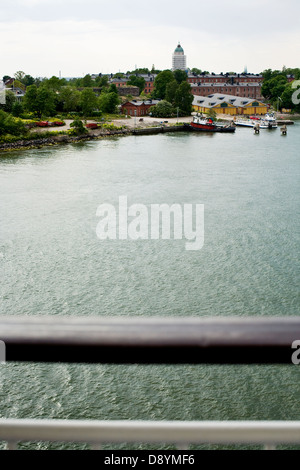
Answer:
(178, 59)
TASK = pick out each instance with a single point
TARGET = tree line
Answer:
(279, 90)
(52, 96)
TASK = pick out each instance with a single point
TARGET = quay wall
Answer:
(59, 139)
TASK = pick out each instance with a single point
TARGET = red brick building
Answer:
(238, 79)
(242, 85)
(138, 108)
(246, 90)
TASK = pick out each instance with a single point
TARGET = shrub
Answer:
(77, 127)
(163, 109)
(11, 125)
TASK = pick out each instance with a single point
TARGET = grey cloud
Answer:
(235, 17)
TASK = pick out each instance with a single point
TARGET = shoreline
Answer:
(92, 135)
(149, 126)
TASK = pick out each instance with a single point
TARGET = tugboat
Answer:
(207, 124)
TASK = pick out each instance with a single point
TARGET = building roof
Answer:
(226, 84)
(216, 99)
(140, 102)
(224, 75)
(179, 49)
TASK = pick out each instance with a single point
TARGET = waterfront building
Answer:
(178, 59)
(242, 85)
(137, 107)
(228, 104)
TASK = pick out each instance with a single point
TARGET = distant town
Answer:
(26, 101)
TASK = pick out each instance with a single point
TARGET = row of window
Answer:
(131, 112)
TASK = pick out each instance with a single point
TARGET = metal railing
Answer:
(132, 340)
(217, 340)
(181, 434)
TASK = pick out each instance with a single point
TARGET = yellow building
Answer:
(228, 104)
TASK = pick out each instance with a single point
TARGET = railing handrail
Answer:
(233, 340)
(184, 432)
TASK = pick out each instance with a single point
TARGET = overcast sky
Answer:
(76, 37)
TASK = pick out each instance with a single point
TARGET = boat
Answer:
(267, 122)
(244, 122)
(207, 124)
(270, 121)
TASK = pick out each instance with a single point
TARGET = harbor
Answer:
(56, 267)
(125, 127)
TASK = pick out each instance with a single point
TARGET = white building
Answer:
(178, 59)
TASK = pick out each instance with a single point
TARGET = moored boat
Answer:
(207, 124)
(267, 122)
(244, 122)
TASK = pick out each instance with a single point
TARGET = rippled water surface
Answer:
(52, 263)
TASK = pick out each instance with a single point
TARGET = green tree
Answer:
(108, 102)
(17, 109)
(163, 109)
(171, 91)
(119, 75)
(180, 76)
(295, 72)
(87, 81)
(287, 98)
(137, 81)
(54, 83)
(269, 73)
(88, 101)
(28, 80)
(40, 100)
(273, 87)
(10, 99)
(196, 71)
(11, 125)
(19, 75)
(161, 82)
(70, 98)
(101, 81)
(184, 98)
(78, 127)
(113, 89)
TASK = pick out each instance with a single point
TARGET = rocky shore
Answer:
(58, 139)
(91, 135)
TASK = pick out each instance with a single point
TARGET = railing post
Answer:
(11, 445)
(270, 447)
(182, 446)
